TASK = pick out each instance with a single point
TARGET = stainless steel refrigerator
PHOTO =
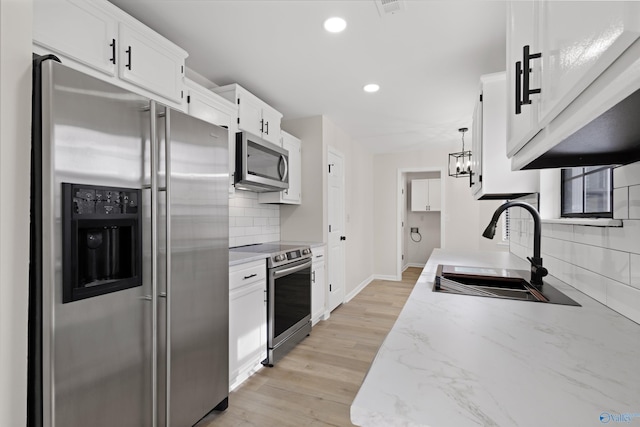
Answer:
(129, 262)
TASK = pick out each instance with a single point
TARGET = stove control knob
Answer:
(280, 257)
(306, 251)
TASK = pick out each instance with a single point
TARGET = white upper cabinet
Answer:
(491, 174)
(568, 63)
(254, 115)
(522, 123)
(293, 194)
(425, 195)
(97, 36)
(148, 61)
(579, 41)
(82, 30)
(211, 107)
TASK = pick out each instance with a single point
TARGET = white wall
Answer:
(462, 219)
(15, 137)
(309, 221)
(359, 227)
(602, 262)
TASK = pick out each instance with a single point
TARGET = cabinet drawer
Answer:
(244, 274)
(318, 254)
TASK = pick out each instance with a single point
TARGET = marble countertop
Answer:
(457, 360)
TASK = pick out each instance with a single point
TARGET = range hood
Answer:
(613, 138)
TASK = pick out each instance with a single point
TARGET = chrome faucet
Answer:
(537, 270)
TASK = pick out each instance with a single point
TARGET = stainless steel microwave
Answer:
(260, 165)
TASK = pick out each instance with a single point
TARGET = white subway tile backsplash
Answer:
(625, 238)
(624, 299)
(607, 262)
(235, 211)
(634, 202)
(251, 222)
(589, 283)
(624, 176)
(621, 203)
(600, 261)
(260, 221)
(635, 271)
(244, 221)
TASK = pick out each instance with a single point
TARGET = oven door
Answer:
(289, 299)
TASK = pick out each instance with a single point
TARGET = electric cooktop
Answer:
(278, 253)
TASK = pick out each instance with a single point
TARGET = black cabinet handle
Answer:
(267, 126)
(250, 276)
(526, 58)
(518, 87)
(128, 51)
(262, 126)
(113, 51)
(343, 237)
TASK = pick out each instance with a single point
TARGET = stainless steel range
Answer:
(288, 295)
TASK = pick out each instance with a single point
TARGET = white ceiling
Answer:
(427, 59)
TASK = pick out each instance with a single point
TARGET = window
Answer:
(587, 192)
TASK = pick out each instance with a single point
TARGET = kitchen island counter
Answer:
(458, 360)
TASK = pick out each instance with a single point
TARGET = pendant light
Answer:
(460, 162)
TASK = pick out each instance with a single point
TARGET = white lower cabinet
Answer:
(247, 320)
(318, 284)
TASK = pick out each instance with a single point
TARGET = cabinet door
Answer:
(434, 195)
(476, 147)
(209, 107)
(293, 145)
(78, 29)
(318, 288)
(250, 114)
(147, 62)
(271, 125)
(579, 41)
(419, 194)
(247, 328)
(521, 31)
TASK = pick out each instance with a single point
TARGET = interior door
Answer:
(337, 236)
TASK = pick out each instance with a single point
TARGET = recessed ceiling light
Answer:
(371, 87)
(335, 24)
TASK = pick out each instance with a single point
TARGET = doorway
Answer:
(421, 225)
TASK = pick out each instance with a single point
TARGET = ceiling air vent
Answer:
(389, 7)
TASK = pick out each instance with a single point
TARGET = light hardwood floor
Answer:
(316, 382)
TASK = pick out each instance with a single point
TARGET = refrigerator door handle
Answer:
(167, 168)
(153, 148)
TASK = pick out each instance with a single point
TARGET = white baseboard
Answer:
(385, 277)
(415, 264)
(243, 375)
(358, 288)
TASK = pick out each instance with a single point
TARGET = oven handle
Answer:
(284, 272)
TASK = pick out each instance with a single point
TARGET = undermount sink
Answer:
(495, 283)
